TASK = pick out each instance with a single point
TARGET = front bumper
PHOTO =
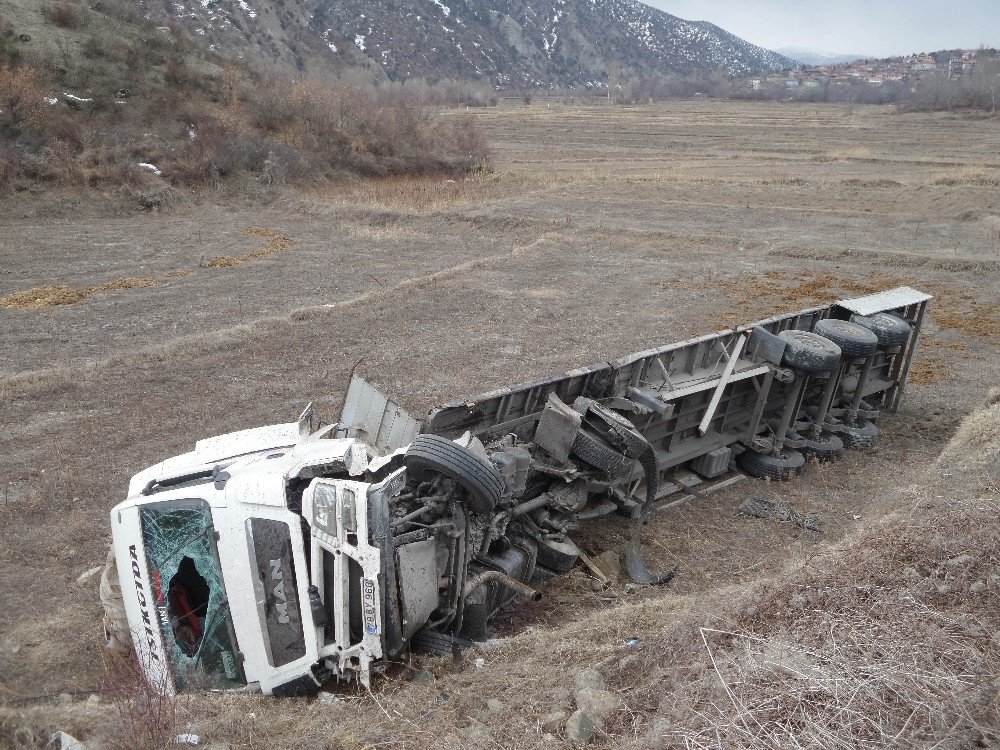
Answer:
(346, 568)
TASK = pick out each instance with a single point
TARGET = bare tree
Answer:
(986, 82)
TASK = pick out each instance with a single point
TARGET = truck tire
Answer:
(855, 342)
(890, 330)
(859, 437)
(433, 643)
(809, 352)
(438, 454)
(557, 556)
(597, 453)
(781, 468)
(825, 447)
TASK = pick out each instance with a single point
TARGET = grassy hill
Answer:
(98, 96)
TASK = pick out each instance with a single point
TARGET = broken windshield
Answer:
(191, 596)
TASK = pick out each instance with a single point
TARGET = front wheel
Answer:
(432, 453)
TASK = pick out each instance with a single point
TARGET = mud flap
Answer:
(635, 564)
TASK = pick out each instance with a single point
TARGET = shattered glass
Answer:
(191, 596)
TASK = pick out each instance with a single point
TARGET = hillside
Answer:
(100, 96)
(511, 43)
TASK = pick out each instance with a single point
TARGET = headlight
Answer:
(324, 502)
(347, 515)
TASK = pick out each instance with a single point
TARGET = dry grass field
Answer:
(126, 337)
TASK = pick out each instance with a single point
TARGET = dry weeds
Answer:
(50, 296)
(849, 153)
(759, 294)
(978, 319)
(430, 193)
(890, 646)
(967, 176)
(276, 243)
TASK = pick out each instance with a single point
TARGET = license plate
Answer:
(368, 590)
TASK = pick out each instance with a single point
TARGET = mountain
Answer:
(819, 57)
(508, 43)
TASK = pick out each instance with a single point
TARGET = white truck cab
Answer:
(226, 555)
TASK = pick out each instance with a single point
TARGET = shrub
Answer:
(65, 15)
(176, 72)
(22, 104)
(9, 52)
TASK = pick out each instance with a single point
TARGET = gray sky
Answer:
(867, 27)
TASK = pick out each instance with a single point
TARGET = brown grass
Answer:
(436, 192)
(758, 295)
(763, 294)
(978, 319)
(849, 153)
(50, 296)
(65, 15)
(929, 369)
(276, 243)
(891, 645)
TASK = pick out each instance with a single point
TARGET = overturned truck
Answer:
(278, 558)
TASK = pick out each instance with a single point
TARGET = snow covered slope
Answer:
(511, 43)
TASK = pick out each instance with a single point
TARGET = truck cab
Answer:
(246, 563)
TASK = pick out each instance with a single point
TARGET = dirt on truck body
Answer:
(278, 558)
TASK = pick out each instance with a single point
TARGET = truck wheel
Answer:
(860, 437)
(764, 465)
(890, 330)
(433, 643)
(809, 352)
(557, 556)
(825, 447)
(855, 342)
(599, 454)
(433, 453)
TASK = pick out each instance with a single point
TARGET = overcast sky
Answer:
(866, 27)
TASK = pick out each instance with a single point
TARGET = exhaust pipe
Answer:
(502, 578)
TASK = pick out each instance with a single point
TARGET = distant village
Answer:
(953, 63)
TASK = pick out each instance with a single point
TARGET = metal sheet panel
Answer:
(385, 424)
(418, 583)
(891, 299)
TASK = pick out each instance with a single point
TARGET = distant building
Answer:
(958, 67)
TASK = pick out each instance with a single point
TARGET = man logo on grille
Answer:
(281, 601)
